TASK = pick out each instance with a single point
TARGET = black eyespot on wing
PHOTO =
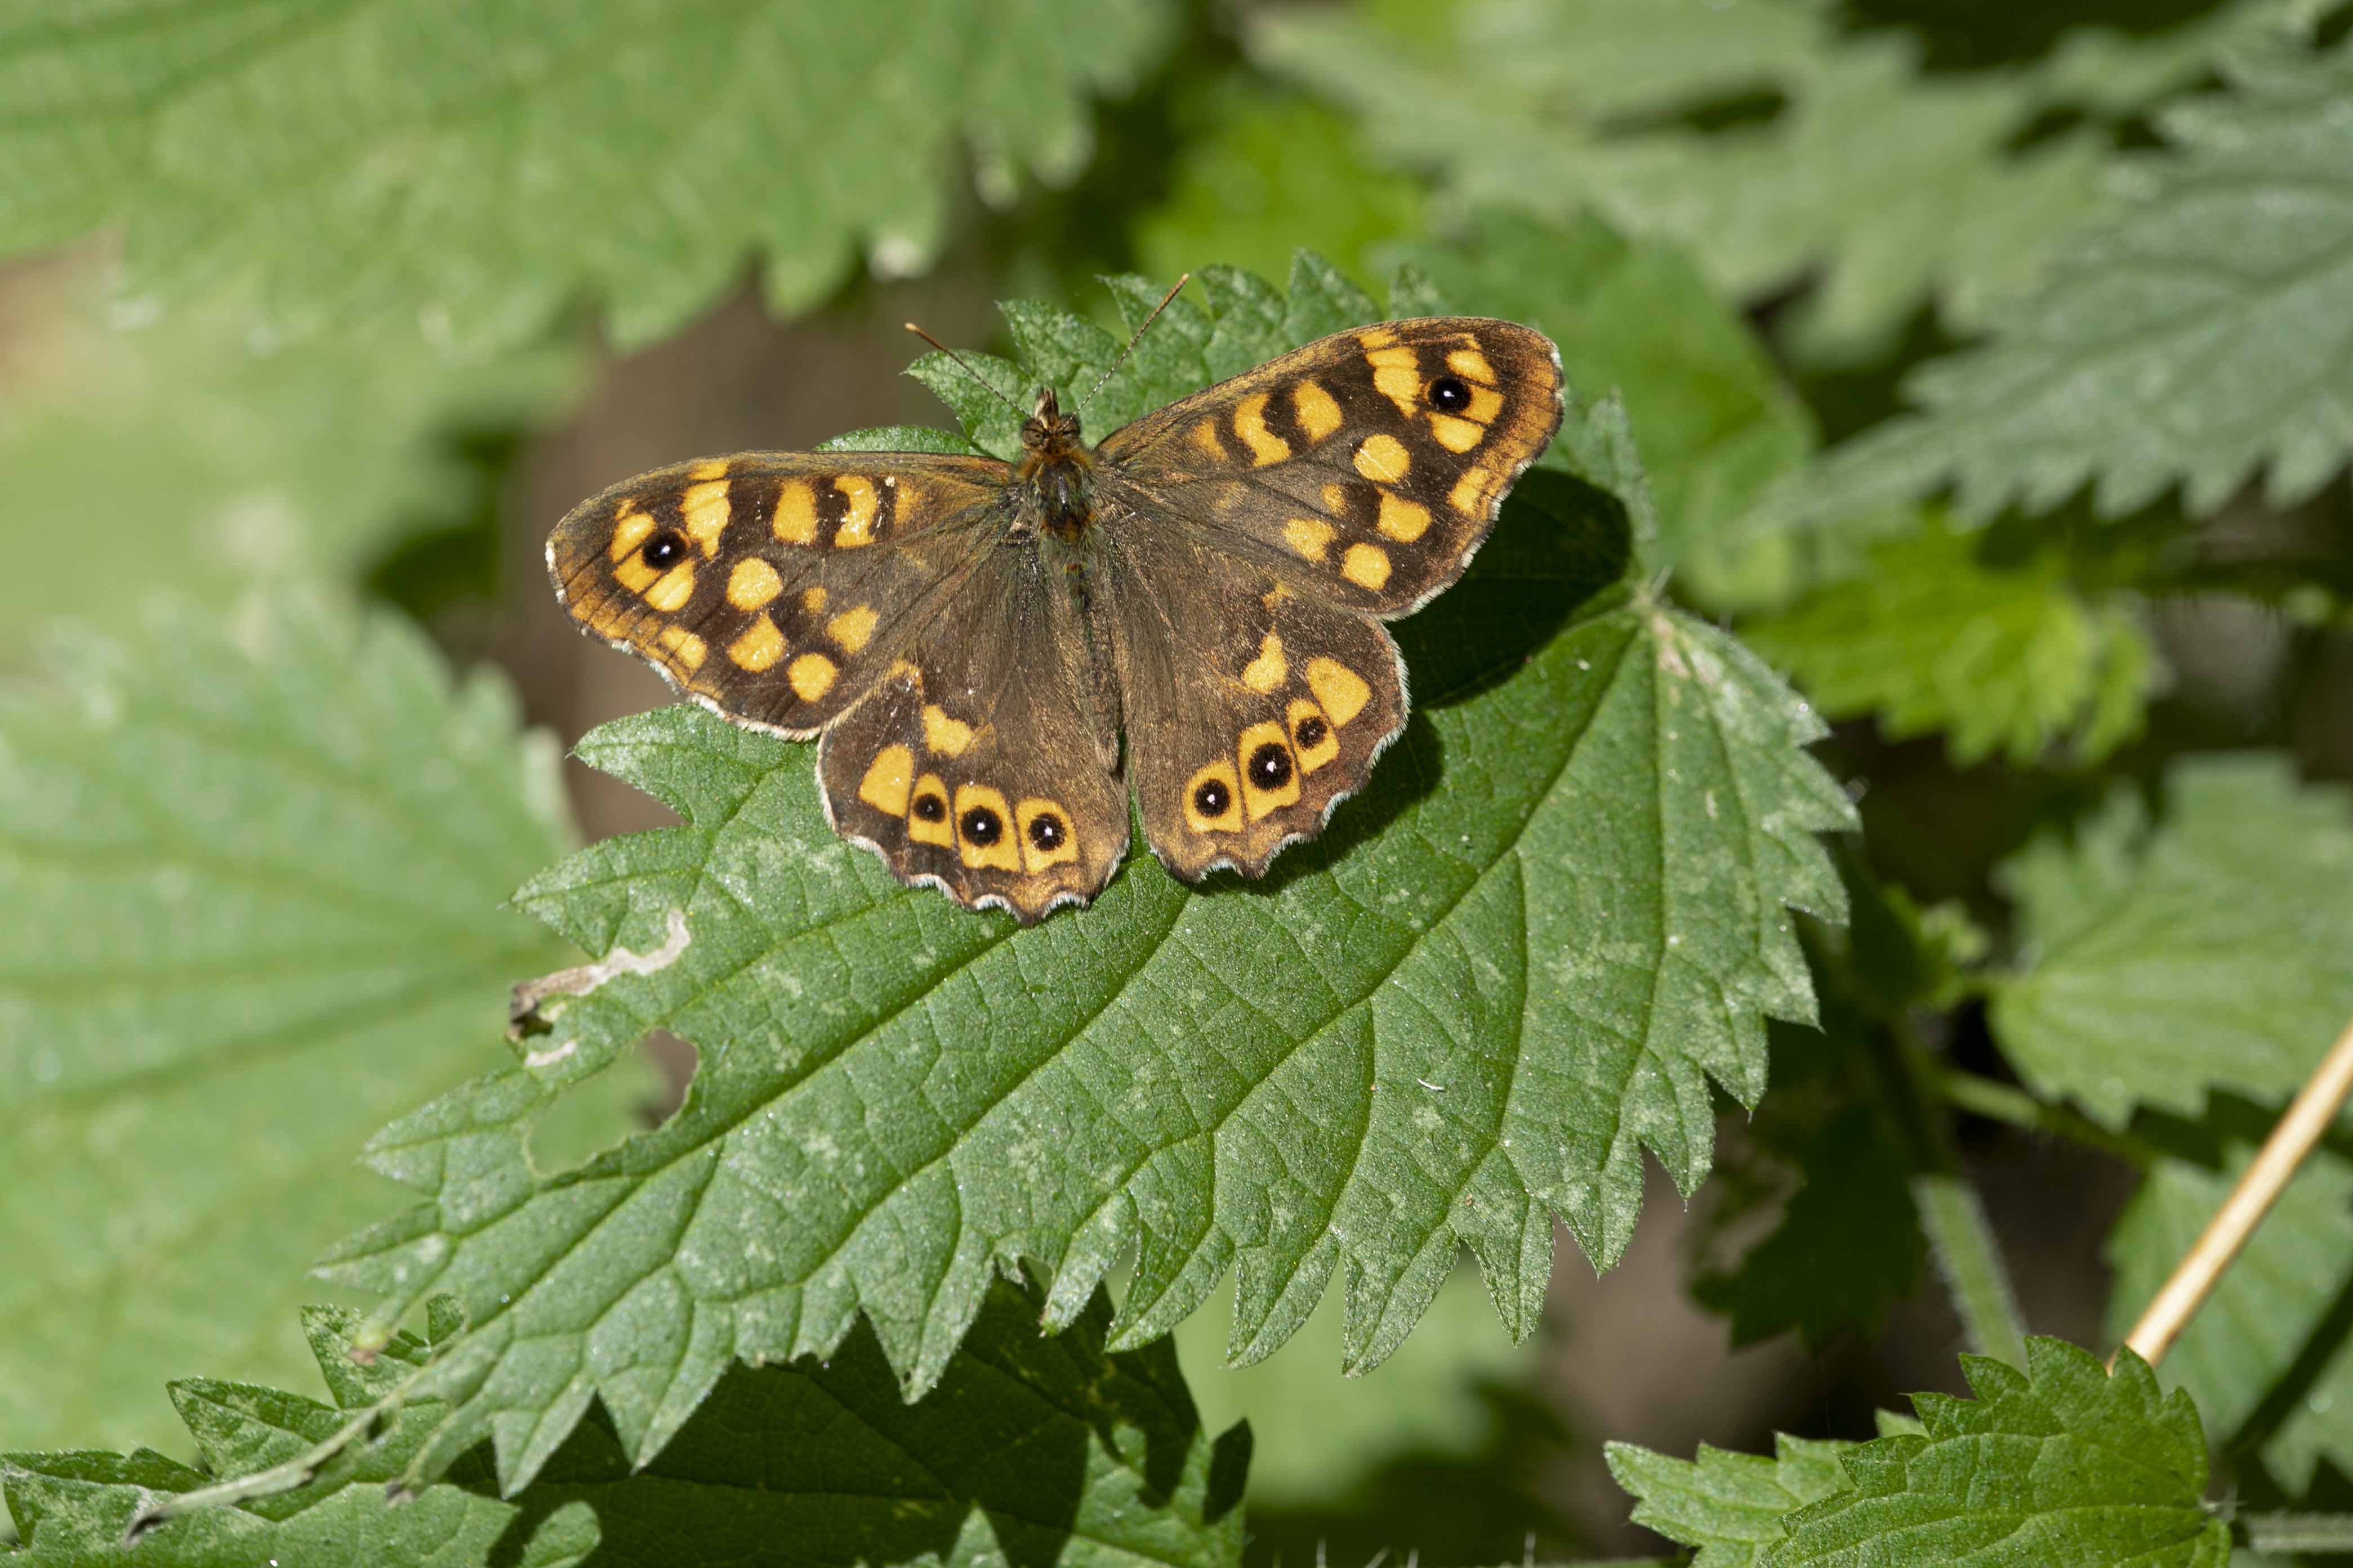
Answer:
(1450, 394)
(1046, 831)
(1270, 767)
(1311, 731)
(1212, 798)
(982, 826)
(666, 548)
(931, 808)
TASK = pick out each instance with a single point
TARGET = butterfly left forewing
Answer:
(1364, 467)
(775, 587)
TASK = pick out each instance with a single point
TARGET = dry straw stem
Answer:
(2307, 1117)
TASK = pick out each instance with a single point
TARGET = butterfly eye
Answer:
(1311, 731)
(664, 548)
(982, 826)
(1270, 767)
(1046, 831)
(930, 808)
(1450, 394)
(1212, 798)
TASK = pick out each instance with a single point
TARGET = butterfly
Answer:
(996, 653)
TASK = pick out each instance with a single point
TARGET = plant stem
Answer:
(2306, 1118)
(2314, 1532)
(1999, 1102)
(1952, 1216)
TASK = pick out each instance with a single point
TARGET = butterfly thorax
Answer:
(1055, 465)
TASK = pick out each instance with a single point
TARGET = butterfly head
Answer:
(1048, 433)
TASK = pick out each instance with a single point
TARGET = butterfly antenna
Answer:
(1138, 338)
(963, 364)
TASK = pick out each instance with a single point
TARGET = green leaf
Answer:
(2006, 659)
(1313, 1439)
(2195, 335)
(2266, 1357)
(1044, 1452)
(250, 890)
(1730, 1505)
(1634, 317)
(193, 454)
(2064, 1465)
(1521, 957)
(2213, 950)
(477, 170)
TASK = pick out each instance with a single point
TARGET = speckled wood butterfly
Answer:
(996, 653)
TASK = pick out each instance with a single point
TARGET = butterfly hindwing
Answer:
(1364, 467)
(987, 760)
(776, 587)
(1241, 743)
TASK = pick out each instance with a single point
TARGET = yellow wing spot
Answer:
(1383, 459)
(796, 519)
(1046, 836)
(1319, 415)
(1334, 498)
(812, 676)
(888, 780)
(985, 836)
(753, 583)
(1269, 669)
(1340, 690)
(813, 601)
(759, 647)
(675, 588)
(1485, 404)
(946, 736)
(1259, 800)
(708, 469)
(929, 821)
(1308, 537)
(1402, 520)
(1456, 435)
(1205, 436)
(863, 501)
(902, 671)
(1213, 799)
(704, 511)
(632, 572)
(1472, 493)
(1368, 566)
(630, 530)
(1472, 365)
(1396, 375)
(691, 649)
(1377, 337)
(1274, 596)
(1250, 425)
(854, 630)
(1313, 739)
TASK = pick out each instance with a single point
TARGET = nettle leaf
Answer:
(197, 457)
(1524, 956)
(405, 159)
(2265, 1358)
(1888, 188)
(1031, 1450)
(2212, 950)
(1728, 1506)
(2006, 658)
(250, 888)
(2064, 1464)
(2197, 334)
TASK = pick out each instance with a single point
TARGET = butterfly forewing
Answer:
(777, 586)
(1364, 468)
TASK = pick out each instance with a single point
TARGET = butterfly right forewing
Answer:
(776, 587)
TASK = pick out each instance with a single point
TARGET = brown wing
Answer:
(1364, 468)
(986, 761)
(775, 587)
(1251, 709)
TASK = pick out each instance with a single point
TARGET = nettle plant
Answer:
(894, 1283)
